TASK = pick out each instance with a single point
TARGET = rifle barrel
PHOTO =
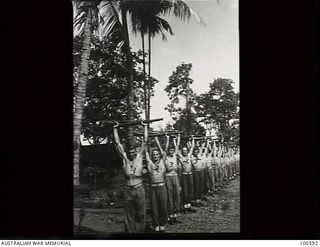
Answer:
(133, 122)
(154, 134)
(185, 137)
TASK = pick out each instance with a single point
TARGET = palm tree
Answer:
(144, 18)
(86, 20)
(111, 16)
(104, 16)
(90, 17)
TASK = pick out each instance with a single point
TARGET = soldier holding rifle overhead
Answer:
(186, 177)
(233, 164)
(215, 166)
(225, 165)
(219, 162)
(209, 171)
(134, 194)
(172, 181)
(198, 163)
(158, 191)
(236, 158)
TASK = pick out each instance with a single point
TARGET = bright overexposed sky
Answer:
(212, 49)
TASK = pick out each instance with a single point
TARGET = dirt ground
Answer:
(221, 213)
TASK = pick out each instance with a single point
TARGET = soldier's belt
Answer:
(171, 174)
(133, 186)
(157, 184)
(186, 173)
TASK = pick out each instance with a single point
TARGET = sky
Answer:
(212, 49)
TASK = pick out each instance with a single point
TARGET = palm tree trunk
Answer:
(80, 95)
(130, 98)
(144, 78)
(149, 77)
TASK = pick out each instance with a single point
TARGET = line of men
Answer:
(194, 173)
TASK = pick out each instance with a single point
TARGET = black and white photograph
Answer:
(156, 117)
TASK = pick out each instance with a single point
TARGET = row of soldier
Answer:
(194, 172)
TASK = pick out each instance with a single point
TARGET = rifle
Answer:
(190, 136)
(156, 134)
(123, 123)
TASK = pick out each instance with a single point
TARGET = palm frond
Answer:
(112, 29)
(110, 13)
(82, 9)
(182, 11)
(159, 26)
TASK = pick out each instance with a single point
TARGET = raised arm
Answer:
(220, 151)
(163, 153)
(192, 147)
(167, 143)
(189, 144)
(177, 144)
(118, 143)
(158, 144)
(147, 156)
(214, 149)
(211, 149)
(145, 139)
(204, 147)
(206, 150)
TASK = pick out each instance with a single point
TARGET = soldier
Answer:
(198, 164)
(209, 171)
(219, 163)
(172, 181)
(134, 194)
(224, 165)
(233, 162)
(186, 177)
(227, 164)
(237, 158)
(158, 192)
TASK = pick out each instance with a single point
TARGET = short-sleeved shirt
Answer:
(219, 161)
(156, 171)
(223, 161)
(227, 160)
(185, 162)
(237, 157)
(171, 162)
(233, 159)
(208, 162)
(215, 161)
(198, 163)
